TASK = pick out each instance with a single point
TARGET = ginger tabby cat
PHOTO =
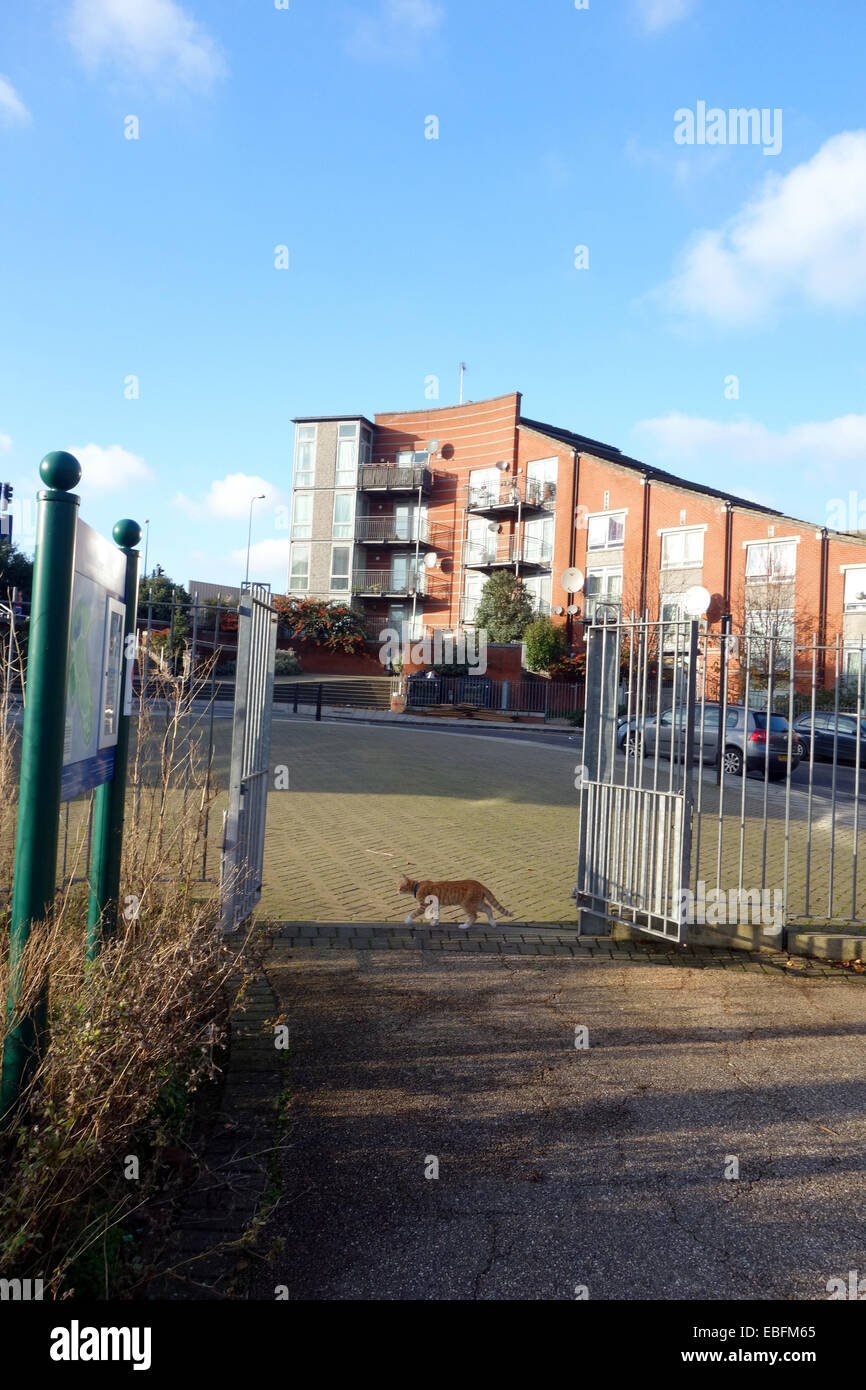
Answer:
(466, 893)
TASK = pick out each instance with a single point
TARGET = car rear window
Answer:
(778, 722)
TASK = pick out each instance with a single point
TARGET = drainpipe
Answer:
(575, 460)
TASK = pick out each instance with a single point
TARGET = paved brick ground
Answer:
(311, 938)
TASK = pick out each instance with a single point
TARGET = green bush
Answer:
(286, 664)
(544, 644)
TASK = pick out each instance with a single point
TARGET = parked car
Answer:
(745, 743)
(831, 731)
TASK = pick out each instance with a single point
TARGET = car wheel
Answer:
(634, 746)
(733, 762)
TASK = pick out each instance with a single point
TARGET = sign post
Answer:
(42, 745)
(109, 800)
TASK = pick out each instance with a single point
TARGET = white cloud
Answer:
(396, 32)
(153, 37)
(803, 237)
(228, 498)
(815, 445)
(5, 443)
(12, 108)
(108, 470)
(269, 563)
(658, 14)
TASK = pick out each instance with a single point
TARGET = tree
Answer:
(544, 644)
(16, 570)
(162, 590)
(505, 608)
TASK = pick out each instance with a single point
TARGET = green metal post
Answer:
(110, 798)
(41, 760)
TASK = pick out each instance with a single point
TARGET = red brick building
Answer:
(408, 515)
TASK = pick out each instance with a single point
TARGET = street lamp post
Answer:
(258, 498)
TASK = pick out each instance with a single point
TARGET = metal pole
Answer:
(723, 693)
(110, 798)
(258, 498)
(319, 701)
(41, 758)
(417, 556)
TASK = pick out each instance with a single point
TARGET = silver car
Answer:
(748, 744)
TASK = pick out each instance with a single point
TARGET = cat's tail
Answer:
(493, 903)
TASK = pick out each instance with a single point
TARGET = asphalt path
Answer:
(710, 1143)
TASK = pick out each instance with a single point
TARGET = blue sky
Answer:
(304, 127)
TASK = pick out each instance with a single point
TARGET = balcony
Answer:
(384, 583)
(388, 477)
(512, 495)
(391, 530)
(507, 550)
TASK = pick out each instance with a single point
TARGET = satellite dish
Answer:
(572, 609)
(572, 581)
(503, 465)
(431, 560)
(696, 601)
(433, 446)
(557, 610)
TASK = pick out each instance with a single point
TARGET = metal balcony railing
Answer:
(388, 477)
(387, 584)
(390, 530)
(510, 494)
(597, 605)
(506, 550)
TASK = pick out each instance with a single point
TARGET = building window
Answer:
(366, 444)
(855, 590)
(472, 596)
(771, 560)
(299, 572)
(606, 532)
(305, 460)
(603, 587)
(412, 458)
(347, 456)
(344, 505)
(541, 480)
(538, 586)
(682, 549)
(340, 566)
(770, 630)
(302, 516)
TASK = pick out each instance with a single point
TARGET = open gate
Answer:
(636, 810)
(244, 832)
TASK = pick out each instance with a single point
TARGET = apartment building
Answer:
(407, 515)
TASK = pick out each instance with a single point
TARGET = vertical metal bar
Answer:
(858, 727)
(832, 875)
(811, 772)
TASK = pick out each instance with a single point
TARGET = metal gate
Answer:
(634, 846)
(244, 835)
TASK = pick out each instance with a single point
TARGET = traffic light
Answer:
(7, 492)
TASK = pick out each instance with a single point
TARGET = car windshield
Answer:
(778, 723)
